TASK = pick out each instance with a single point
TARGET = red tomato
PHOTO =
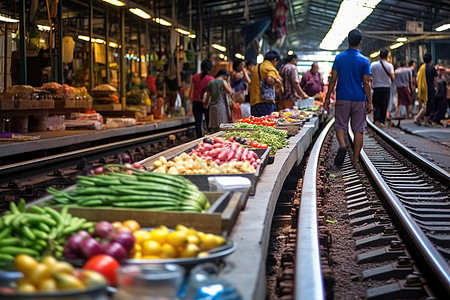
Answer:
(231, 139)
(105, 265)
(263, 146)
(254, 144)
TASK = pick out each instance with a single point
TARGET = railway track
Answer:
(379, 230)
(30, 179)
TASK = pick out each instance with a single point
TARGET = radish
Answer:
(214, 152)
(223, 154)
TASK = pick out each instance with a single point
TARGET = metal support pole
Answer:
(91, 50)
(59, 62)
(107, 44)
(22, 45)
(139, 50)
(5, 62)
(199, 31)
(122, 59)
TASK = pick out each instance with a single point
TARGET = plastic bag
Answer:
(178, 104)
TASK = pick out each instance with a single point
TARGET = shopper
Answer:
(245, 107)
(440, 102)
(382, 77)
(404, 83)
(352, 72)
(312, 82)
(427, 85)
(268, 75)
(217, 100)
(412, 67)
(291, 84)
(239, 81)
(199, 83)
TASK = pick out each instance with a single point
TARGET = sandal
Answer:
(339, 159)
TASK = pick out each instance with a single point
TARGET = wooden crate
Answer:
(219, 219)
(107, 107)
(6, 104)
(291, 129)
(71, 103)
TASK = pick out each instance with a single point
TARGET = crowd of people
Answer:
(249, 89)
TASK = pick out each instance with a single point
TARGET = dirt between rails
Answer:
(343, 275)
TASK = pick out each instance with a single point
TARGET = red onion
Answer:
(84, 234)
(68, 253)
(103, 229)
(99, 170)
(116, 250)
(90, 247)
(126, 239)
(74, 243)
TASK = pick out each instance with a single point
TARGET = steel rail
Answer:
(437, 172)
(308, 273)
(434, 260)
(39, 162)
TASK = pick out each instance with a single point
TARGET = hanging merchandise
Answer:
(278, 29)
(68, 45)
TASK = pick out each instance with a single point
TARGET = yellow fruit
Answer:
(151, 257)
(68, 282)
(61, 267)
(39, 273)
(25, 264)
(49, 261)
(202, 254)
(191, 250)
(141, 235)
(91, 278)
(159, 235)
(168, 251)
(180, 227)
(209, 241)
(177, 238)
(132, 225)
(151, 247)
(47, 285)
(193, 239)
(26, 288)
(220, 240)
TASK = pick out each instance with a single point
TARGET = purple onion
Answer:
(126, 239)
(117, 251)
(90, 247)
(103, 229)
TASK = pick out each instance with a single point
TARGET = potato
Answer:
(157, 163)
(172, 170)
(163, 159)
(170, 164)
(161, 169)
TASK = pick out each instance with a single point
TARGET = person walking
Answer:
(291, 83)
(412, 67)
(312, 82)
(404, 83)
(267, 74)
(440, 102)
(427, 85)
(199, 83)
(353, 95)
(382, 77)
(217, 100)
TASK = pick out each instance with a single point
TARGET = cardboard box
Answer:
(219, 219)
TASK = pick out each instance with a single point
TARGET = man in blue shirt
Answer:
(353, 95)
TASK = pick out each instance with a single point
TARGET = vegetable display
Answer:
(41, 231)
(180, 243)
(217, 156)
(52, 275)
(148, 190)
(263, 121)
(115, 241)
(274, 138)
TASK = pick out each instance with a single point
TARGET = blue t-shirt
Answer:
(351, 65)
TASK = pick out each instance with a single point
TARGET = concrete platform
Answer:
(246, 268)
(441, 135)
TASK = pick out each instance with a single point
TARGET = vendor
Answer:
(312, 82)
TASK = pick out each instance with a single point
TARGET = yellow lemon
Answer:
(177, 238)
(220, 240)
(151, 247)
(191, 250)
(180, 227)
(209, 241)
(159, 235)
(48, 285)
(193, 239)
(141, 235)
(168, 251)
(137, 255)
(151, 257)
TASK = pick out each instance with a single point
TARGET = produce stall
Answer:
(146, 213)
